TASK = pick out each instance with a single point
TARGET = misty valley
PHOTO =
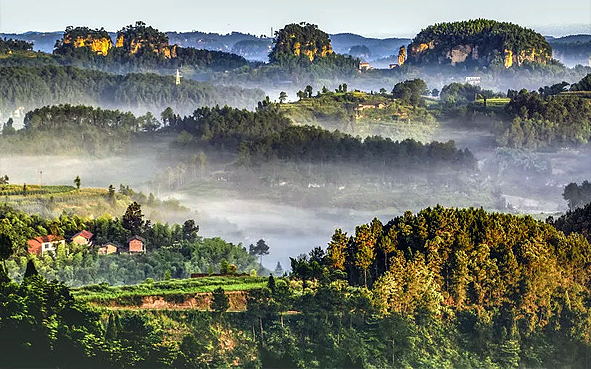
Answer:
(306, 200)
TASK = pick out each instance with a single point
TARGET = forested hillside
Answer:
(28, 88)
(267, 135)
(551, 117)
(172, 249)
(445, 288)
(365, 114)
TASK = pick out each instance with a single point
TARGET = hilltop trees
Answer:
(8, 45)
(260, 249)
(456, 93)
(410, 92)
(583, 85)
(133, 220)
(465, 257)
(7, 128)
(577, 195)
(540, 121)
(282, 97)
(576, 220)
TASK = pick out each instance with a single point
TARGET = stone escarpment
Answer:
(130, 40)
(101, 46)
(96, 40)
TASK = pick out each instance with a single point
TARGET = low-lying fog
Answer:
(289, 229)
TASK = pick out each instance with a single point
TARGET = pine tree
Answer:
(111, 331)
(278, 269)
(337, 250)
(365, 242)
(220, 301)
(31, 270)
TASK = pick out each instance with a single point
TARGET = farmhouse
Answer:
(136, 244)
(82, 238)
(43, 244)
(108, 248)
(364, 66)
(362, 107)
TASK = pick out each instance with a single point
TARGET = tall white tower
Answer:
(178, 78)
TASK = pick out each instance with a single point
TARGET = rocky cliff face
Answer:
(100, 46)
(401, 55)
(311, 51)
(134, 44)
(98, 41)
(463, 52)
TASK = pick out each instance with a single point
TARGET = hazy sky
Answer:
(370, 18)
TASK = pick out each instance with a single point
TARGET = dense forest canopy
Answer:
(576, 220)
(445, 288)
(32, 87)
(480, 42)
(539, 121)
(267, 134)
(8, 46)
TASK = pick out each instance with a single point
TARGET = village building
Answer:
(475, 81)
(82, 238)
(108, 248)
(136, 244)
(43, 244)
(364, 66)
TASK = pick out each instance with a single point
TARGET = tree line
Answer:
(445, 288)
(266, 135)
(31, 87)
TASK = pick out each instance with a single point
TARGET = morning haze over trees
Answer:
(225, 253)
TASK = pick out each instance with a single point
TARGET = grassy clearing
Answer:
(17, 190)
(173, 290)
(494, 102)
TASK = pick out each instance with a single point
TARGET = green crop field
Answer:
(495, 102)
(103, 293)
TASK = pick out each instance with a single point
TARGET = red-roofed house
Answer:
(82, 238)
(42, 244)
(136, 244)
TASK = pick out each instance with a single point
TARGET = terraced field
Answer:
(194, 293)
